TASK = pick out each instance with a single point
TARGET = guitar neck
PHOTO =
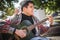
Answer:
(33, 26)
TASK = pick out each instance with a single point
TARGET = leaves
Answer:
(7, 6)
(51, 5)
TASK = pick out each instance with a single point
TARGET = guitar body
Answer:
(28, 27)
(23, 26)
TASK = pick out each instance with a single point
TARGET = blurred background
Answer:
(49, 7)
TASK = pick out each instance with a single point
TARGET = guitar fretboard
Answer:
(33, 26)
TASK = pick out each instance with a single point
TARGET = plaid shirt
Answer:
(16, 19)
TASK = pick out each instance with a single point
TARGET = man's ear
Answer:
(24, 8)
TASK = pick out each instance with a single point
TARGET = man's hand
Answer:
(50, 19)
(21, 33)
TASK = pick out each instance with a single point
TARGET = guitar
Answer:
(28, 26)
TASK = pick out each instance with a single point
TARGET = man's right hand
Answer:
(20, 33)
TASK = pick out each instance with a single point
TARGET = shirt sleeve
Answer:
(11, 30)
(7, 28)
(14, 18)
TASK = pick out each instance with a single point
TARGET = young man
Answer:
(27, 8)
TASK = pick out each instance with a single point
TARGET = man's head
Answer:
(27, 7)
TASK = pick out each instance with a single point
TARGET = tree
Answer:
(48, 5)
(7, 6)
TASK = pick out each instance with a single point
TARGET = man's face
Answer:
(30, 9)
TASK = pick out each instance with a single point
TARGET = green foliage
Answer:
(7, 6)
(37, 3)
(48, 5)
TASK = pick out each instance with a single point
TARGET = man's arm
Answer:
(11, 30)
(15, 17)
(20, 33)
(12, 18)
